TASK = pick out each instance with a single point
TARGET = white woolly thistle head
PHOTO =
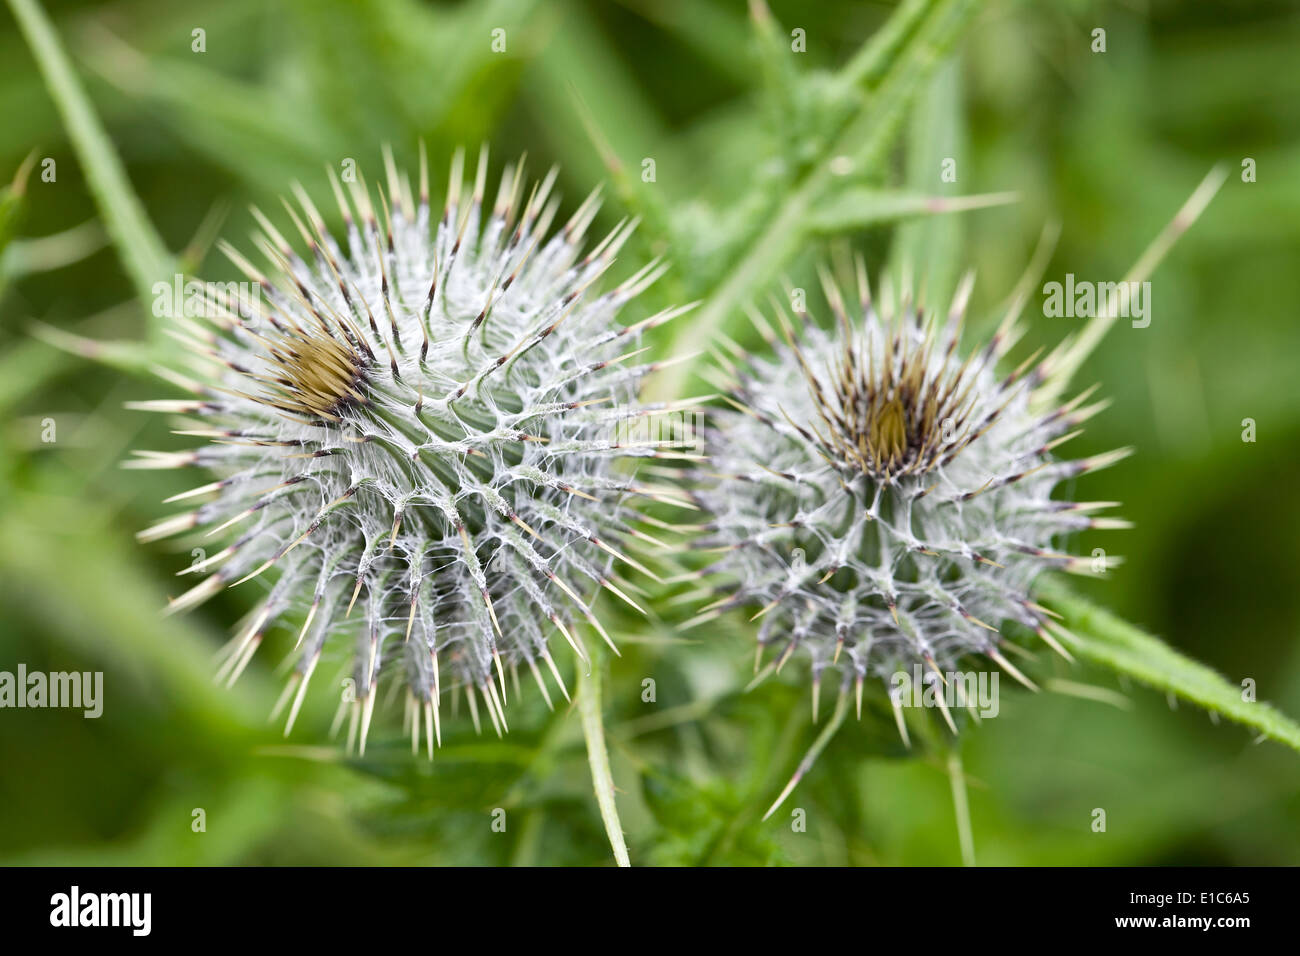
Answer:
(882, 496)
(414, 432)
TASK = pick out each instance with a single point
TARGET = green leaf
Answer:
(859, 208)
(1101, 637)
(864, 142)
(937, 131)
(704, 823)
(24, 257)
(596, 114)
(112, 612)
(262, 135)
(11, 203)
(24, 367)
(142, 250)
(869, 66)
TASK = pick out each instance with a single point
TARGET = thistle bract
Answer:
(414, 433)
(883, 498)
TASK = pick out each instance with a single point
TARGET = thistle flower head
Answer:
(883, 497)
(413, 432)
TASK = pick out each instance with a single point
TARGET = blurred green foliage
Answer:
(740, 129)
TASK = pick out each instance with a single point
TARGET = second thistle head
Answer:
(883, 496)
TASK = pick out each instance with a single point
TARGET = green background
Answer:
(1107, 144)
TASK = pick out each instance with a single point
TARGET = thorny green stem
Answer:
(589, 709)
(866, 138)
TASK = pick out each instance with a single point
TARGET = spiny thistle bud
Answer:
(883, 500)
(420, 423)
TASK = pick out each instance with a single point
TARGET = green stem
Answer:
(589, 709)
(143, 252)
(961, 806)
